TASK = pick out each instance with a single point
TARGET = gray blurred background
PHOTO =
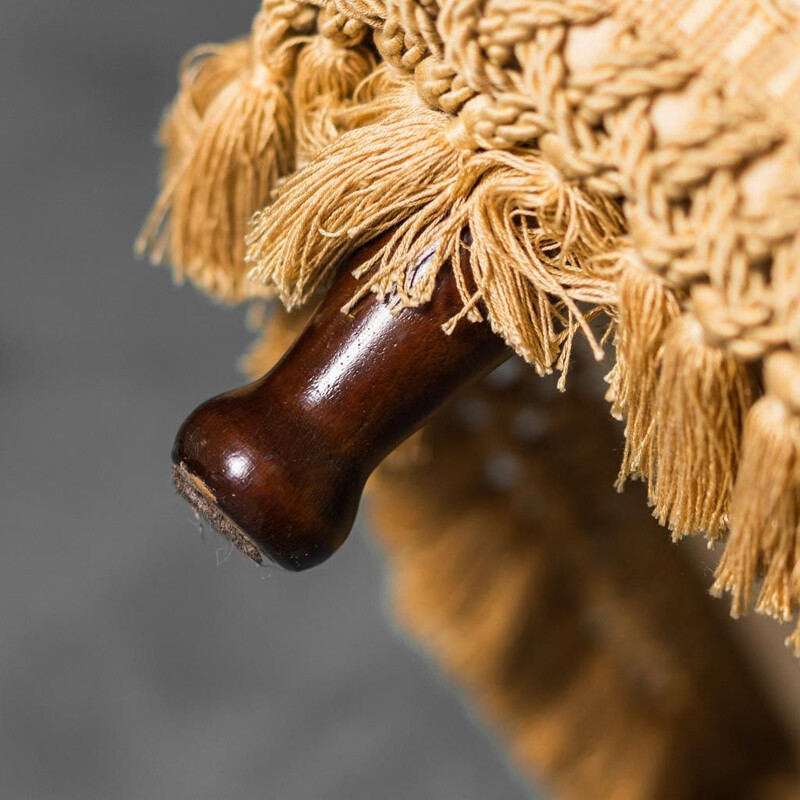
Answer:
(139, 658)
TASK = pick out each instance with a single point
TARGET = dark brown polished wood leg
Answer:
(278, 466)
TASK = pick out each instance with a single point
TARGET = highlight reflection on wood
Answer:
(278, 466)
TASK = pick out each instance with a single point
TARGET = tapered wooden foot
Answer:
(278, 466)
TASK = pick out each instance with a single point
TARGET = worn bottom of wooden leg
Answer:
(202, 500)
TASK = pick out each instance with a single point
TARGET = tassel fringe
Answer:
(201, 215)
(646, 308)
(765, 513)
(229, 139)
(417, 171)
(369, 180)
(204, 73)
(702, 397)
(330, 68)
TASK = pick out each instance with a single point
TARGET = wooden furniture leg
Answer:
(278, 466)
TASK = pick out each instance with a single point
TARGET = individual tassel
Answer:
(422, 173)
(330, 68)
(242, 145)
(533, 233)
(646, 307)
(701, 399)
(205, 71)
(765, 511)
(400, 171)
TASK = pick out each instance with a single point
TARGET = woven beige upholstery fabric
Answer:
(750, 46)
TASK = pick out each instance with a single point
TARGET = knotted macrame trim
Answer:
(609, 157)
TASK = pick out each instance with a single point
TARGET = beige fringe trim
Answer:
(417, 172)
(765, 515)
(701, 399)
(646, 308)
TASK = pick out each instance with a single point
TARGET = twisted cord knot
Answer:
(481, 37)
(397, 48)
(500, 123)
(663, 245)
(419, 21)
(340, 29)
(745, 328)
(572, 163)
(370, 12)
(272, 26)
(439, 87)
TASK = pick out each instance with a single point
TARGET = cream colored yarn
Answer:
(635, 159)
